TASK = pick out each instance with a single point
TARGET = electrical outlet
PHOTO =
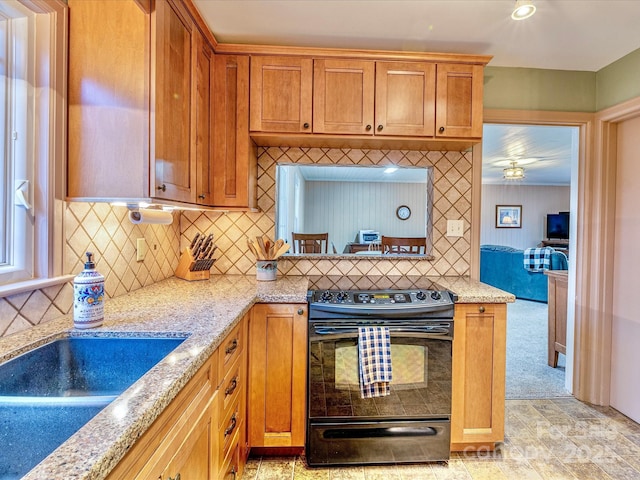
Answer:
(141, 249)
(455, 228)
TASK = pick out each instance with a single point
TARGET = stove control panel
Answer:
(372, 298)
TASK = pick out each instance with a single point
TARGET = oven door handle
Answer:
(432, 331)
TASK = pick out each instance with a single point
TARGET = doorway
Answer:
(548, 152)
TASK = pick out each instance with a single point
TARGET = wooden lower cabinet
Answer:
(202, 433)
(183, 438)
(478, 387)
(277, 375)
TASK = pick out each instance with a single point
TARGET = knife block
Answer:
(185, 265)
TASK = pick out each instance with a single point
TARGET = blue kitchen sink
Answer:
(50, 392)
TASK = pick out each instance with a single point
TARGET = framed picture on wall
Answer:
(508, 216)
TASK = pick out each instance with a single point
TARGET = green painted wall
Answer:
(619, 81)
(539, 89)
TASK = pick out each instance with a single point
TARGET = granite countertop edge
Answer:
(204, 312)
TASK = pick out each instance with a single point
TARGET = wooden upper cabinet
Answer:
(459, 101)
(108, 99)
(175, 172)
(281, 94)
(203, 119)
(405, 98)
(234, 159)
(343, 96)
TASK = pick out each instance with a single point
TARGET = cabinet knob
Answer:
(300, 311)
(481, 309)
(368, 127)
(177, 477)
(441, 129)
(163, 188)
(201, 196)
(380, 127)
(305, 125)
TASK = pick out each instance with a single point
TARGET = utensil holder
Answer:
(266, 270)
(186, 265)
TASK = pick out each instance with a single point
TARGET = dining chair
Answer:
(310, 242)
(404, 245)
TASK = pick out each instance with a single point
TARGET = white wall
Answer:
(344, 208)
(625, 354)
(536, 201)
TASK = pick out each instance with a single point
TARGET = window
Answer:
(32, 134)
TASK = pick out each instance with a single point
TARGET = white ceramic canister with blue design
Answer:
(88, 296)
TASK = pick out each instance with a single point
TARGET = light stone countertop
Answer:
(206, 312)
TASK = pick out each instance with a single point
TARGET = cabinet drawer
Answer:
(231, 388)
(230, 469)
(231, 349)
(228, 433)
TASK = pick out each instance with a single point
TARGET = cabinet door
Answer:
(175, 173)
(478, 388)
(343, 96)
(277, 375)
(234, 163)
(108, 100)
(281, 94)
(203, 117)
(193, 457)
(405, 98)
(459, 101)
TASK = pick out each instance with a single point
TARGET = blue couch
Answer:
(503, 268)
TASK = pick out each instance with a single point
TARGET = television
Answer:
(558, 226)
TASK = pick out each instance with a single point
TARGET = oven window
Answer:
(421, 379)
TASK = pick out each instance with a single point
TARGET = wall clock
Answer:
(403, 212)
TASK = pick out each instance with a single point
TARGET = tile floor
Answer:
(559, 438)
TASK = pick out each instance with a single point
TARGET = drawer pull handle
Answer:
(177, 477)
(232, 426)
(232, 386)
(231, 347)
(481, 309)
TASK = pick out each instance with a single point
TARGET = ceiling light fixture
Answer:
(523, 9)
(513, 172)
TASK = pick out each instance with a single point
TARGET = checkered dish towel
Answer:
(374, 360)
(537, 259)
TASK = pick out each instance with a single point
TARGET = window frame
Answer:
(49, 152)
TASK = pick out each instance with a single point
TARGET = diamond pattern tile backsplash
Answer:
(451, 199)
(106, 231)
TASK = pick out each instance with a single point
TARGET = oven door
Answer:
(410, 425)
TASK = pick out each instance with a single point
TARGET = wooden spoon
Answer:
(282, 250)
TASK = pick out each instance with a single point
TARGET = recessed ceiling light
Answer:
(523, 9)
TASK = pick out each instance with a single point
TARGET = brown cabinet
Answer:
(139, 104)
(202, 433)
(405, 98)
(171, 93)
(343, 96)
(183, 438)
(277, 375)
(203, 108)
(281, 94)
(235, 163)
(459, 101)
(478, 388)
(557, 288)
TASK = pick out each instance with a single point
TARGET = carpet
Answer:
(528, 375)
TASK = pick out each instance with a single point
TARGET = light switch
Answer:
(141, 249)
(455, 228)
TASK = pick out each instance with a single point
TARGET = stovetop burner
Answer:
(379, 301)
